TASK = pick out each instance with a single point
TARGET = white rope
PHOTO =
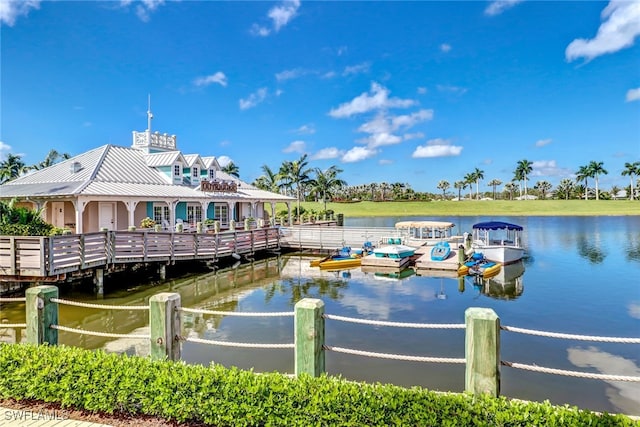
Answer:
(100, 306)
(100, 334)
(18, 299)
(237, 344)
(542, 369)
(12, 325)
(236, 313)
(395, 356)
(571, 336)
(397, 324)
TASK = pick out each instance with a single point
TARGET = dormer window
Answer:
(177, 170)
(194, 172)
(212, 174)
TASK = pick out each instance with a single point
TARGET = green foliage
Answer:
(21, 221)
(111, 383)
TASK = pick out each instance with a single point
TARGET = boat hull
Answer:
(341, 263)
(500, 253)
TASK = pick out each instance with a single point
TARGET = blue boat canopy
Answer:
(496, 225)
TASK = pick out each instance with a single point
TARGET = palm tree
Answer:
(373, 186)
(596, 169)
(11, 168)
(270, 181)
(459, 185)
(543, 187)
(231, 169)
(468, 180)
(565, 188)
(444, 186)
(524, 167)
(326, 181)
(51, 159)
(584, 174)
(632, 170)
(494, 183)
(510, 187)
(383, 189)
(478, 175)
(297, 173)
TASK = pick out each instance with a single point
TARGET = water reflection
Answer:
(590, 250)
(506, 285)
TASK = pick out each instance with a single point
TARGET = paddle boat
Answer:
(498, 241)
(479, 266)
(440, 251)
(342, 259)
(395, 251)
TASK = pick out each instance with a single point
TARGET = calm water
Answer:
(581, 276)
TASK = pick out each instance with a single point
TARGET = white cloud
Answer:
(305, 130)
(456, 90)
(543, 142)
(10, 10)
(410, 120)
(329, 75)
(280, 16)
(224, 160)
(357, 154)
(380, 139)
(620, 27)
(543, 168)
(327, 153)
(218, 77)
(633, 95)
(634, 309)
(290, 74)
(377, 98)
(295, 147)
(253, 99)
(444, 47)
(356, 69)
(422, 90)
(499, 6)
(144, 7)
(438, 147)
(341, 50)
(408, 136)
(385, 162)
(4, 149)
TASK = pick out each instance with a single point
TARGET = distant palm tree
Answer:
(477, 176)
(52, 158)
(510, 187)
(494, 183)
(582, 175)
(468, 180)
(543, 187)
(11, 168)
(565, 188)
(459, 185)
(444, 186)
(524, 167)
(632, 170)
(596, 169)
(297, 173)
(326, 182)
(269, 181)
(231, 169)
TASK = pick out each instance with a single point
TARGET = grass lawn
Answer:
(479, 208)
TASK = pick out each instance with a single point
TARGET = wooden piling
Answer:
(41, 314)
(309, 337)
(164, 326)
(482, 351)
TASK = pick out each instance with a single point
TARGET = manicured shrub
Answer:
(111, 383)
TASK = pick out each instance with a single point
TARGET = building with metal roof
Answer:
(113, 187)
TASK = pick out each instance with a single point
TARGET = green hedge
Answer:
(111, 383)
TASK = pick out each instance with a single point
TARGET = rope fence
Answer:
(576, 374)
(100, 334)
(17, 299)
(237, 344)
(100, 306)
(395, 324)
(395, 356)
(571, 336)
(236, 313)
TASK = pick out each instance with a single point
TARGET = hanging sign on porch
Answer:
(220, 186)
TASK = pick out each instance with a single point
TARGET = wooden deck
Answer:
(31, 258)
(331, 238)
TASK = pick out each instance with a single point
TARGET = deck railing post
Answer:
(41, 314)
(482, 351)
(164, 326)
(309, 337)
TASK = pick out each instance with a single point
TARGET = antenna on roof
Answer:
(149, 115)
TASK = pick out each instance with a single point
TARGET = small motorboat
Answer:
(479, 266)
(440, 251)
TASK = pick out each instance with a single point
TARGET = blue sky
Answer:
(412, 92)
